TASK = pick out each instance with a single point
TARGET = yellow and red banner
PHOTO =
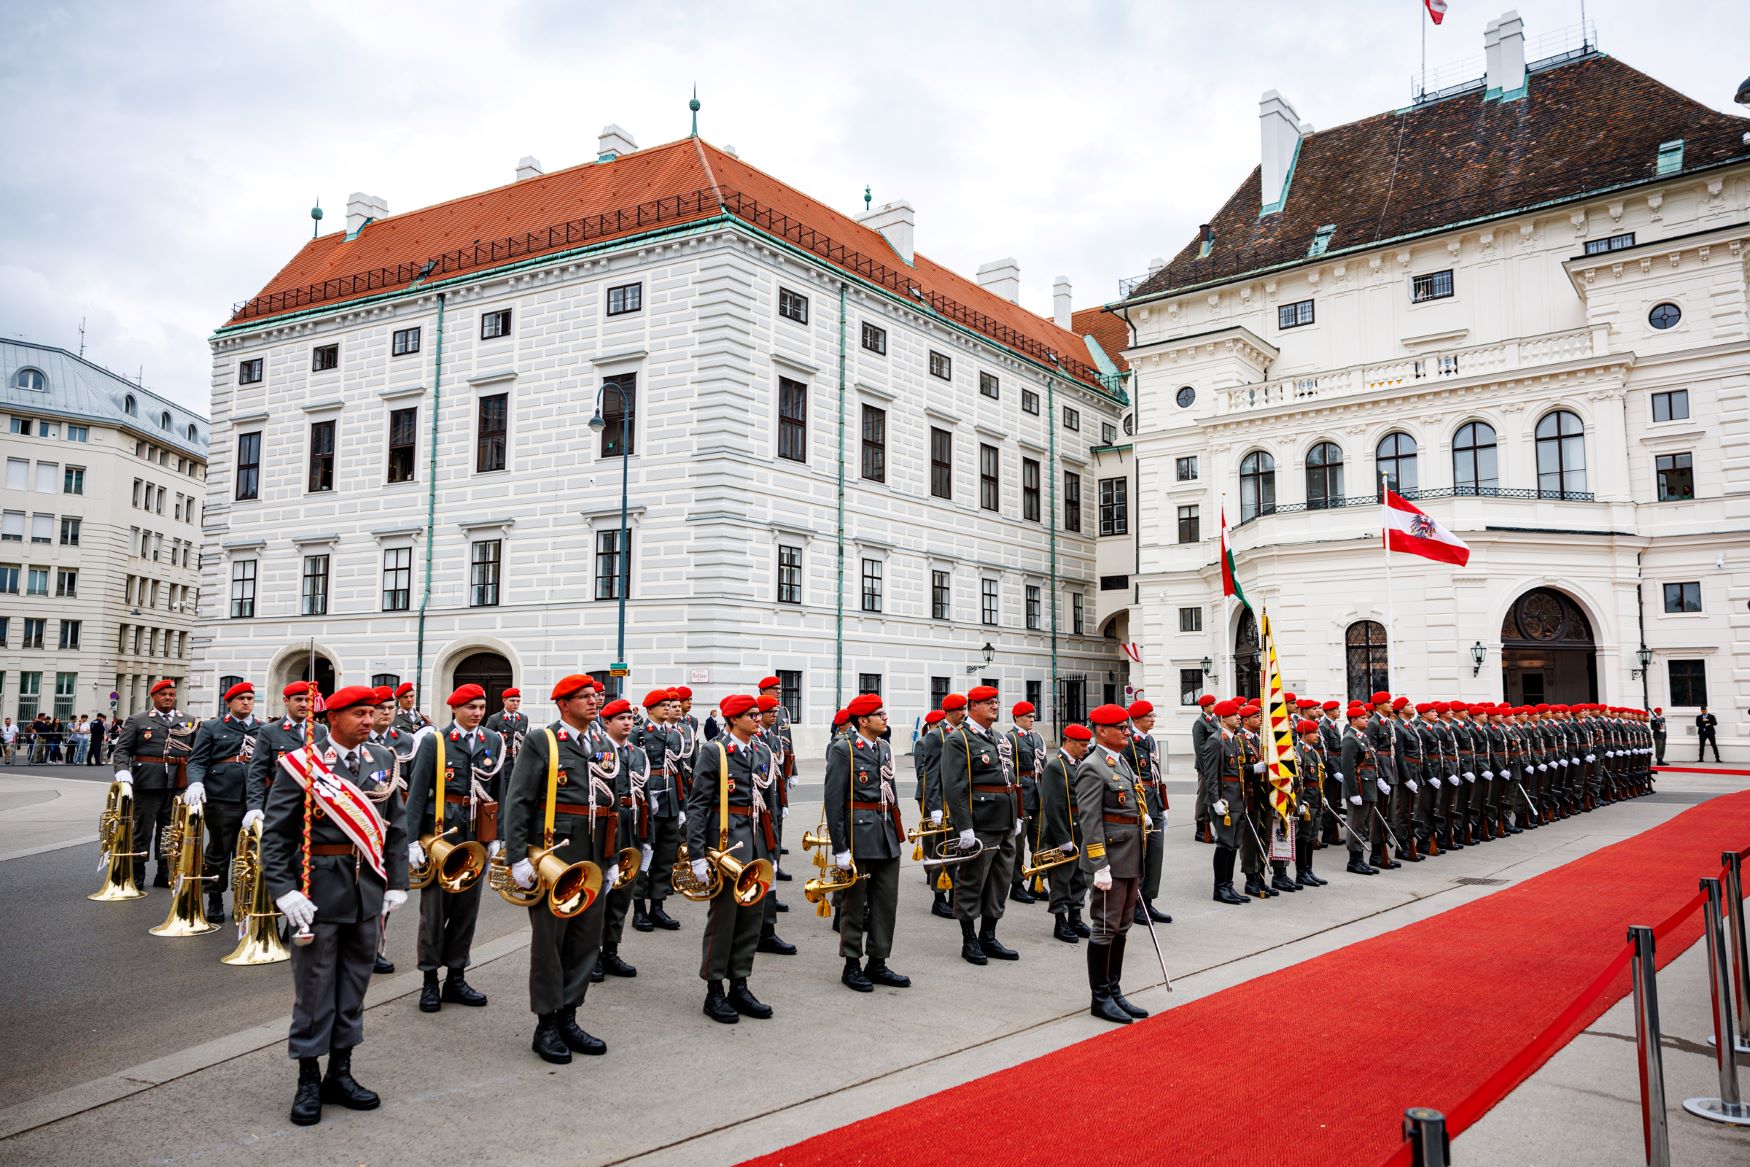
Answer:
(1278, 728)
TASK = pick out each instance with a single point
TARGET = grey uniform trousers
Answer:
(223, 817)
(867, 910)
(329, 978)
(1110, 912)
(981, 885)
(446, 926)
(562, 954)
(654, 883)
(732, 934)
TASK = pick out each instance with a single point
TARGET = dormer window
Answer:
(31, 379)
(1321, 239)
(164, 420)
(1670, 156)
(130, 406)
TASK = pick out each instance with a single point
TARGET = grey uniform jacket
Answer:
(857, 818)
(144, 742)
(465, 755)
(343, 887)
(217, 760)
(1358, 768)
(727, 760)
(978, 780)
(1029, 753)
(1057, 823)
(587, 822)
(271, 740)
(662, 785)
(1110, 819)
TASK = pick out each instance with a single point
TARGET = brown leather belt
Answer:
(333, 849)
(231, 760)
(1119, 820)
(584, 812)
(993, 789)
(455, 798)
(866, 806)
(741, 810)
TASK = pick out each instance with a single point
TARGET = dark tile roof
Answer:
(1586, 125)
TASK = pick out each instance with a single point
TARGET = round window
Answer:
(1186, 396)
(1129, 423)
(1665, 315)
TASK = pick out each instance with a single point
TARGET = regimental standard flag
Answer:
(1436, 10)
(1230, 584)
(1409, 530)
(1278, 728)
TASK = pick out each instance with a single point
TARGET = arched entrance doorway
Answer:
(490, 671)
(1248, 657)
(300, 664)
(1547, 651)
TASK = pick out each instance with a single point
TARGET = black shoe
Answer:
(1316, 879)
(783, 850)
(1301, 880)
(1255, 887)
(430, 997)
(771, 942)
(460, 991)
(614, 966)
(1062, 931)
(717, 1007)
(971, 950)
(783, 876)
(1155, 913)
(987, 940)
(1392, 865)
(1021, 895)
(853, 977)
(1512, 830)
(1140, 915)
(641, 918)
(307, 1103)
(596, 975)
(1078, 925)
(662, 919)
(215, 909)
(548, 1044)
(780, 904)
(1118, 999)
(741, 998)
(575, 1038)
(1106, 1009)
(1356, 867)
(1225, 894)
(162, 878)
(339, 1086)
(878, 972)
(382, 965)
(1283, 883)
(940, 906)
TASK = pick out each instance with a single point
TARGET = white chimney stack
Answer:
(1278, 138)
(1060, 301)
(529, 167)
(898, 222)
(1002, 276)
(1504, 52)
(613, 142)
(362, 208)
(1155, 264)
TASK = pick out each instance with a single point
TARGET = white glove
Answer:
(1488, 774)
(393, 899)
(493, 848)
(699, 869)
(1591, 757)
(1220, 806)
(1355, 800)
(681, 819)
(644, 857)
(610, 875)
(1337, 774)
(251, 817)
(968, 838)
(1411, 783)
(1257, 767)
(1148, 821)
(296, 907)
(1103, 879)
(1163, 818)
(792, 782)
(415, 855)
(784, 813)
(1434, 782)
(1384, 786)
(196, 794)
(1543, 767)
(523, 872)
(125, 777)
(1020, 825)
(935, 818)
(1469, 776)
(841, 858)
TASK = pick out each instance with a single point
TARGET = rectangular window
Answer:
(494, 324)
(404, 342)
(397, 579)
(625, 298)
(378, 680)
(1072, 501)
(872, 585)
(491, 432)
(67, 583)
(78, 433)
(18, 474)
(941, 463)
(485, 559)
(1676, 474)
(1077, 618)
(69, 635)
(792, 420)
(66, 685)
(792, 305)
(1114, 583)
(1072, 419)
(874, 444)
(790, 692)
(1030, 489)
(789, 574)
(1614, 243)
(73, 481)
(1032, 607)
(989, 478)
(324, 358)
(939, 690)
(875, 339)
(1190, 525)
(1114, 506)
(321, 476)
(1683, 597)
(34, 626)
(987, 385)
(941, 594)
(42, 528)
(315, 591)
(869, 682)
(1672, 405)
(403, 426)
(620, 412)
(1075, 698)
(1190, 686)
(1294, 315)
(608, 565)
(249, 465)
(12, 527)
(29, 692)
(242, 589)
(8, 579)
(37, 582)
(249, 372)
(21, 426)
(941, 366)
(1688, 682)
(1185, 469)
(1030, 402)
(987, 601)
(1108, 434)
(1433, 286)
(1190, 619)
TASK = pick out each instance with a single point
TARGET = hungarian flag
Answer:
(1436, 10)
(1230, 584)
(1409, 530)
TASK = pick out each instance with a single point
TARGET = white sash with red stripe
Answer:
(349, 807)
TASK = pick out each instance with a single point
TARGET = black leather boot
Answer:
(970, 950)
(215, 908)
(717, 1007)
(771, 942)
(1102, 1005)
(1062, 931)
(340, 1087)
(1279, 878)
(162, 878)
(741, 998)
(307, 1103)
(641, 917)
(613, 965)
(1225, 894)
(987, 940)
(853, 977)
(382, 965)
(1255, 887)
(1155, 913)
(1078, 925)
(1357, 867)
(1115, 973)
(430, 997)
(1019, 893)
(457, 989)
(597, 974)
(1140, 915)
(662, 919)
(548, 1044)
(575, 1037)
(941, 907)
(878, 972)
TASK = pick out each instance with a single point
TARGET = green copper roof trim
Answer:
(1287, 181)
(354, 234)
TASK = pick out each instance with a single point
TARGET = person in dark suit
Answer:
(1707, 728)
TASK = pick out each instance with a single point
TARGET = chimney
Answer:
(362, 208)
(1060, 301)
(529, 167)
(1279, 138)
(898, 222)
(1002, 276)
(1155, 264)
(1504, 50)
(613, 142)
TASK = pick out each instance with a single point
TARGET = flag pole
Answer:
(1422, 23)
(1227, 635)
(1385, 545)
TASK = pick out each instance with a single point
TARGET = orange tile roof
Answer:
(1109, 332)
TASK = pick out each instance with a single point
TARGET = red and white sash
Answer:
(349, 807)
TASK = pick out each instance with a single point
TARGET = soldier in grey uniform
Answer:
(326, 886)
(953, 712)
(275, 738)
(1382, 743)
(1203, 727)
(217, 779)
(1331, 741)
(631, 767)
(1412, 790)
(147, 762)
(862, 818)
(1309, 788)
(1145, 758)
(510, 722)
(1220, 782)
(562, 952)
(727, 772)
(1029, 751)
(782, 742)
(776, 792)
(1360, 786)
(662, 743)
(1057, 825)
(1113, 819)
(978, 788)
(407, 718)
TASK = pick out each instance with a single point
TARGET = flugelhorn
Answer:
(628, 860)
(949, 853)
(258, 935)
(182, 848)
(697, 890)
(1049, 858)
(752, 880)
(115, 832)
(569, 889)
(454, 866)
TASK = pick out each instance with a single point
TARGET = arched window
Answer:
(193, 434)
(1473, 459)
(1324, 476)
(1395, 457)
(32, 379)
(1257, 485)
(1366, 647)
(130, 406)
(164, 420)
(1561, 455)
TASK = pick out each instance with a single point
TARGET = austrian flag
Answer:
(1409, 530)
(1436, 10)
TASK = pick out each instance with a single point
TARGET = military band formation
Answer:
(319, 822)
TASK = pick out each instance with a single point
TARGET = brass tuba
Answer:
(452, 866)
(258, 935)
(115, 833)
(183, 849)
(569, 889)
(1049, 858)
(681, 879)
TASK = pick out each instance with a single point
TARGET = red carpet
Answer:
(1697, 769)
(1315, 1064)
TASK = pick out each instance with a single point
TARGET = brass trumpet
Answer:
(681, 879)
(182, 848)
(950, 853)
(569, 889)
(813, 839)
(115, 832)
(923, 830)
(453, 866)
(629, 860)
(1049, 858)
(258, 935)
(752, 880)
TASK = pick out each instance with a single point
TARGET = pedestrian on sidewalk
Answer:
(1707, 727)
(81, 742)
(99, 731)
(9, 742)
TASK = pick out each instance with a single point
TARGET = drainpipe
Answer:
(1051, 432)
(437, 395)
(1641, 618)
(838, 668)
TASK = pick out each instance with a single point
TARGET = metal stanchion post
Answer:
(1655, 1132)
(1425, 1131)
(1735, 946)
(1727, 1107)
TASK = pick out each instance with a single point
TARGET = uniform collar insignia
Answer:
(564, 736)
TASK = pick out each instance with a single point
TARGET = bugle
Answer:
(686, 886)
(628, 860)
(568, 888)
(453, 866)
(1049, 858)
(949, 853)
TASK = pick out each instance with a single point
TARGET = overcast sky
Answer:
(160, 159)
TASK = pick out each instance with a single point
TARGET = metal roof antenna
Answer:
(694, 106)
(868, 198)
(316, 217)
(82, 338)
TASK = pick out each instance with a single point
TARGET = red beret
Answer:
(465, 694)
(384, 694)
(682, 692)
(1228, 708)
(1306, 703)
(1141, 708)
(1400, 702)
(765, 703)
(1251, 709)
(1381, 697)
(297, 689)
(842, 717)
(1106, 714)
(981, 693)
(616, 707)
(655, 697)
(736, 704)
(1540, 708)
(952, 702)
(1304, 726)
(511, 693)
(351, 697)
(1022, 709)
(1424, 706)
(570, 686)
(1332, 706)
(1356, 710)
(1658, 709)
(1206, 700)
(166, 683)
(406, 688)
(769, 683)
(864, 704)
(1075, 731)
(1287, 697)
(932, 717)
(597, 685)
(240, 689)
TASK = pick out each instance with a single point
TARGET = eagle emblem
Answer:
(1421, 526)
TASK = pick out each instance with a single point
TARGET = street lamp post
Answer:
(1645, 656)
(596, 425)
